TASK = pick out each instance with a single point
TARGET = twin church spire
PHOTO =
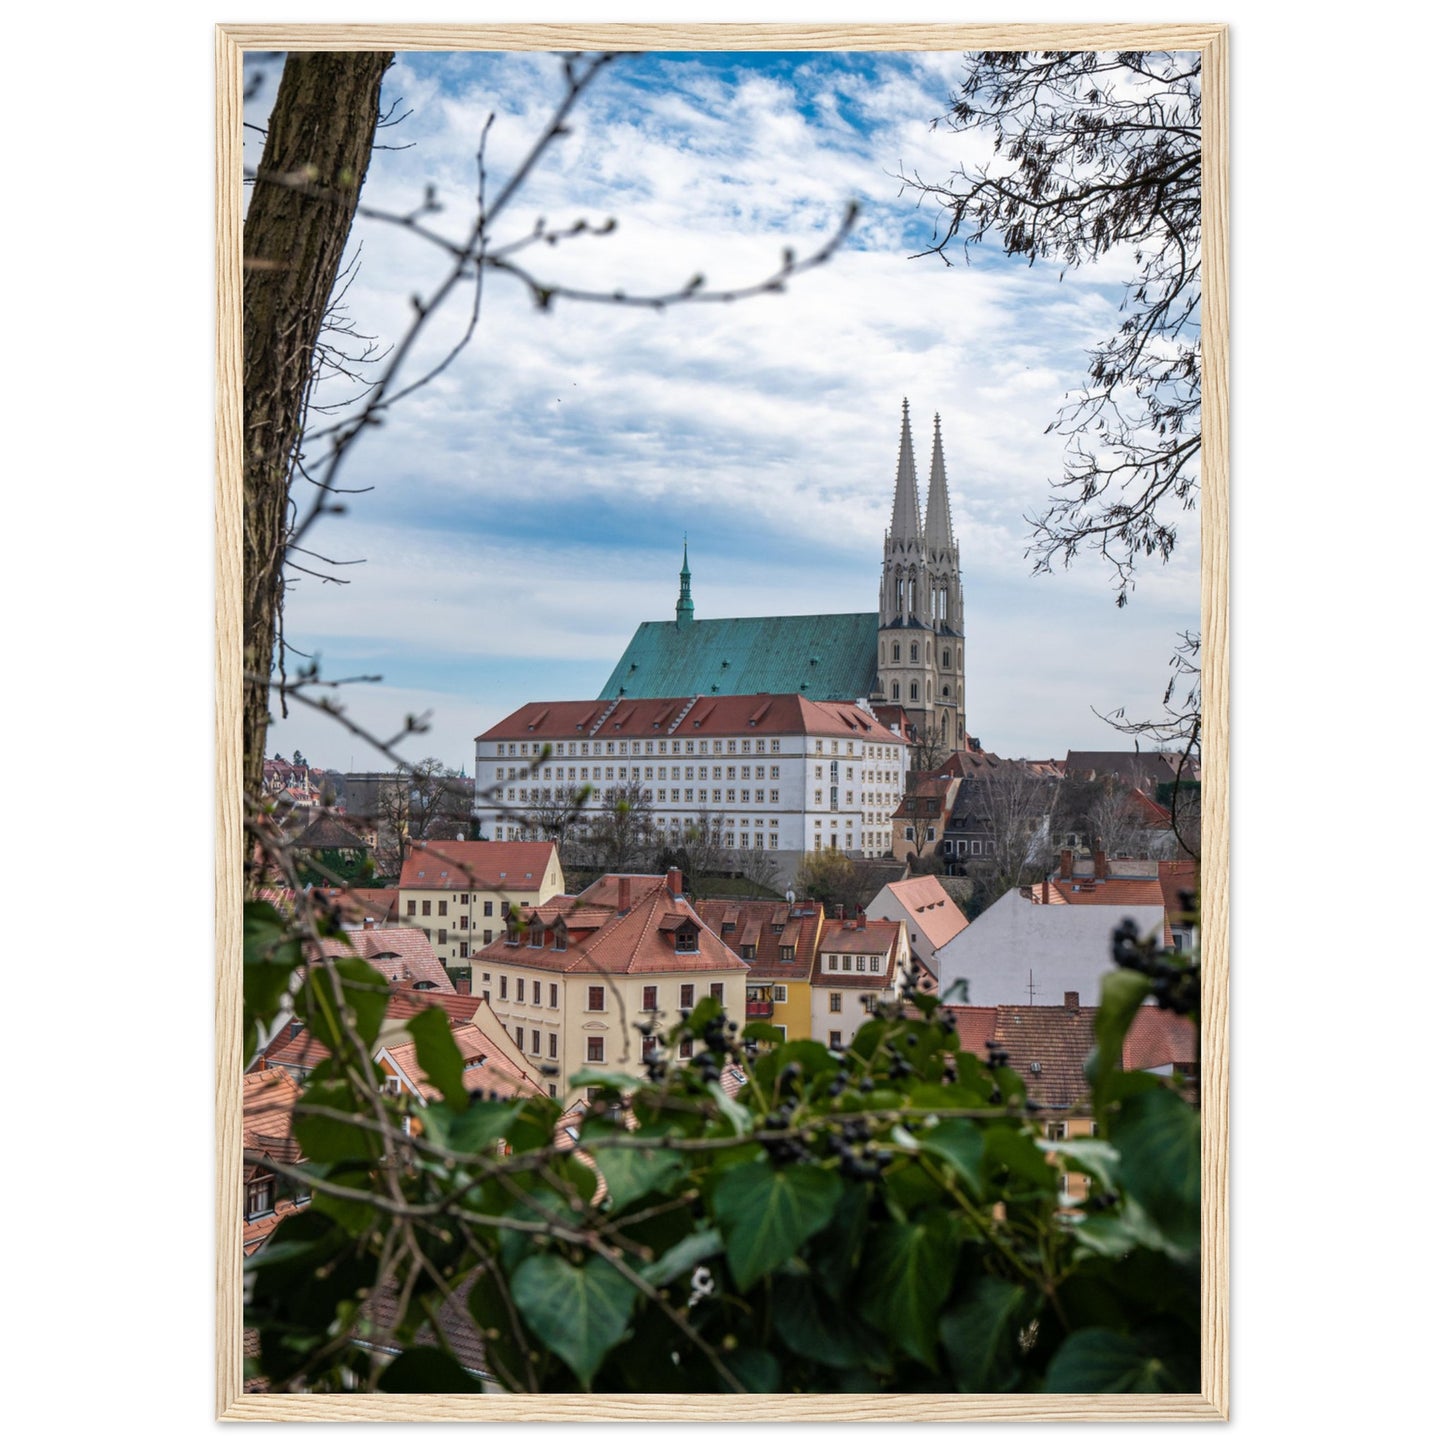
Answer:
(920, 600)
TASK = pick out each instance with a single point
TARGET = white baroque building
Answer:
(774, 772)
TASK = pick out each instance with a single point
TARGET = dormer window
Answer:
(685, 939)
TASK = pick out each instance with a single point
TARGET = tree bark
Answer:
(318, 145)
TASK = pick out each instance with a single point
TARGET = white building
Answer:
(781, 773)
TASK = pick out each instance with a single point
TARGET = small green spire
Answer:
(684, 596)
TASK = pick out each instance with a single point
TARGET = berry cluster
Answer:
(1173, 982)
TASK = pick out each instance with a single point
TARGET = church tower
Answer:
(920, 602)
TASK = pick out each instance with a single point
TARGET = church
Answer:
(905, 660)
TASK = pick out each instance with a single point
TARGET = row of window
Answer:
(614, 747)
(487, 908)
(913, 654)
(867, 962)
(596, 994)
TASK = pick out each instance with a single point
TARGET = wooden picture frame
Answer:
(1212, 1402)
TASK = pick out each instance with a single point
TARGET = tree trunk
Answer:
(318, 145)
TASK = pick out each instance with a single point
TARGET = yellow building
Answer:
(585, 980)
(460, 894)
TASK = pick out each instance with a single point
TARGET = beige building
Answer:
(460, 894)
(856, 969)
(585, 979)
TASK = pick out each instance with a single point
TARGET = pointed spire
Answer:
(938, 530)
(684, 595)
(905, 525)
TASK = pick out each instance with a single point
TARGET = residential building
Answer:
(1048, 1046)
(461, 894)
(1045, 939)
(584, 981)
(857, 968)
(931, 917)
(484, 1066)
(920, 820)
(267, 1099)
(779, 943)
(784, 773)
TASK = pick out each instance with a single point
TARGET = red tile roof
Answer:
(1060, 1039)
(442, 865)
(923, 901)
(769, 928)
(486, 1066)
(839, 935)
(401, 955)
(777, 714)
(638, 941)
(359, 904)
(1107, 892)
(267, 1099)
(1176, 878)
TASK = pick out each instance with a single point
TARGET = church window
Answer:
(895, 652)
(895, 692)
(945, 689)
(912, 657)
(947, 658)
(898, 607)
(913, 691)
(912, 595)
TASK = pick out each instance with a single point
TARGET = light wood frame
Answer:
(1212, 1403)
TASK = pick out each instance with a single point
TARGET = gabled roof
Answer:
(325, 831)
(641, 940)
(1060, 1039)
(1101, 892)
(843, 935)
(267, 1098)
(518, 867)
(822, 655)
(690, 716)
(1176, 879)
(923, 902)
(768, 927)
(359, 904)
(1128, 766)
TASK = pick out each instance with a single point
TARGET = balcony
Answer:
(760, 1008)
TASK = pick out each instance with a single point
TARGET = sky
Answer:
(516, 519)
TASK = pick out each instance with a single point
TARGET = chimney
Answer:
(367, 924)
(464, 983)
(838, 911)
(1071, 1002)
(674, 882)
(1066, 863)
(624, 895)
(862, 916)
(1101, 863)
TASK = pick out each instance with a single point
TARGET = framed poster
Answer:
(528, 316)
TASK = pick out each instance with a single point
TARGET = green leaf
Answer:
(1006, 1146)
(426, 1370)
(759, 1032)
(364, 994)
(980, 1335)
(683, 1257)
(438, 1055)
(604, 1079)
(632, 1173)
(1103, 1362)
(766, 1213)
(1121, 993)
(817, 1329)
(505, 1346)
(478, 1130)
(329, 1141)
(909, 1274)
(1157, 1135)
(579, 1314)
(959, 1143)
(757, 1370)
(271, 955)
(731, 1110)
(1097, 1158)
(706, 1011)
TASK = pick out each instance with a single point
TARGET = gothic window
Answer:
(912, 596)
(895, 652)
(913, 652)
(913, 691)
(895, 692)
(898, 603)
(947, 658)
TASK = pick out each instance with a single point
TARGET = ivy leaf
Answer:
(959, 1143)
(426, 1370)
(1104, 1362)
(478, 1129)
(731, 1110)
(1018, 1153)
(818, 1330)
(758, 1370)
(271, 956)
(632, 1173)
(766, 1213)
(364, 992)
(504, 1344)
(579, 1314)
(329, 1141)
(909, 1275)
(980, 1335)
(1121, 993)
(439, 1057)
(1157, 1135)
(684, 1257)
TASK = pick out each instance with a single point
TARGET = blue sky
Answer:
(528, 509)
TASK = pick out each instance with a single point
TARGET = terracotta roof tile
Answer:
(923, 901)
(753, 922)
(518, 867)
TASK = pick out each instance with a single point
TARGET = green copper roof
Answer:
(823, 657)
